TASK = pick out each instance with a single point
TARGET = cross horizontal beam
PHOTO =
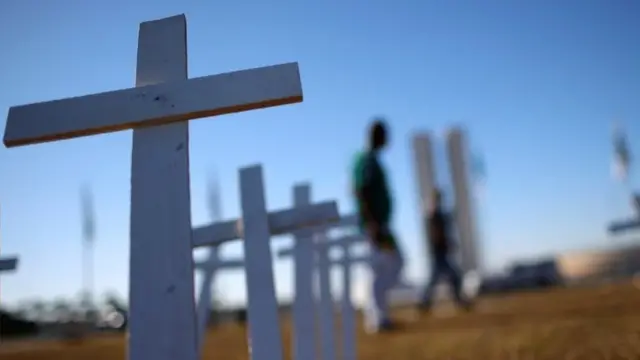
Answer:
(352, 260)
(280, 222)
(8, 264)
(220, 264)
(153, 105)
(346, 240)
(346, 221)
(620, 226)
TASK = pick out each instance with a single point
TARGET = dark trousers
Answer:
(441, 265)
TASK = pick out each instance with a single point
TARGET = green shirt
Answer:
(369, 177)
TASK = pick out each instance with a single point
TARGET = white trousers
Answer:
(386, 267)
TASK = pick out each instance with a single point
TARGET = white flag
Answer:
(621, 155)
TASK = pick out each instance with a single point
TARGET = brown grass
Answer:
(580, 323)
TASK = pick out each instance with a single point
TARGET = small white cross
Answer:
(257, 226)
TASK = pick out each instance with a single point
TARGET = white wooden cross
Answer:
(162, 324)
(325, 305)
(210, 268)
(256, 227)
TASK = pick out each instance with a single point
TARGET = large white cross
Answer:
(162, 324)
(256, 227)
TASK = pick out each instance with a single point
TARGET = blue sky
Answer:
(537, 84)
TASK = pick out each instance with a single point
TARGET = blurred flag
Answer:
(88, 218)
(478, 168)
(214, 199)
(478, 173)
(621, 155)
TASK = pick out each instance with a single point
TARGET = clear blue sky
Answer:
(537, 84)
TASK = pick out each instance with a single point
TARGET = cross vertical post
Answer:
(322, 310)
(162, 321)
(349, 350)
(327, 323)
(303, 303)
(262, 307)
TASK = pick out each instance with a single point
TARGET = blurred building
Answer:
(459, 169)
(598, 265)
(445, 164)
(425, 178)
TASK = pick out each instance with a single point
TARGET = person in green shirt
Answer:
(374, 207)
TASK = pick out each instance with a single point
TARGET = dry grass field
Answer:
(578, 323)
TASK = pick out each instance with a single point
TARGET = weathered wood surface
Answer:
(153, 105)
(162, 322)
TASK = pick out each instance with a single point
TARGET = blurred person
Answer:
(439, 228)
(374, 207)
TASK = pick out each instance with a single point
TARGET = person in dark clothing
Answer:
(439, 227)
(374, 206)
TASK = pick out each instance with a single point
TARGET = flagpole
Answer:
(88, 234)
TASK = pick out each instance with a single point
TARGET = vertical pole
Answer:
(162, 321)
(88, 233)
(349, 346)
(327, 326)
(303, 303)
(265, 341)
